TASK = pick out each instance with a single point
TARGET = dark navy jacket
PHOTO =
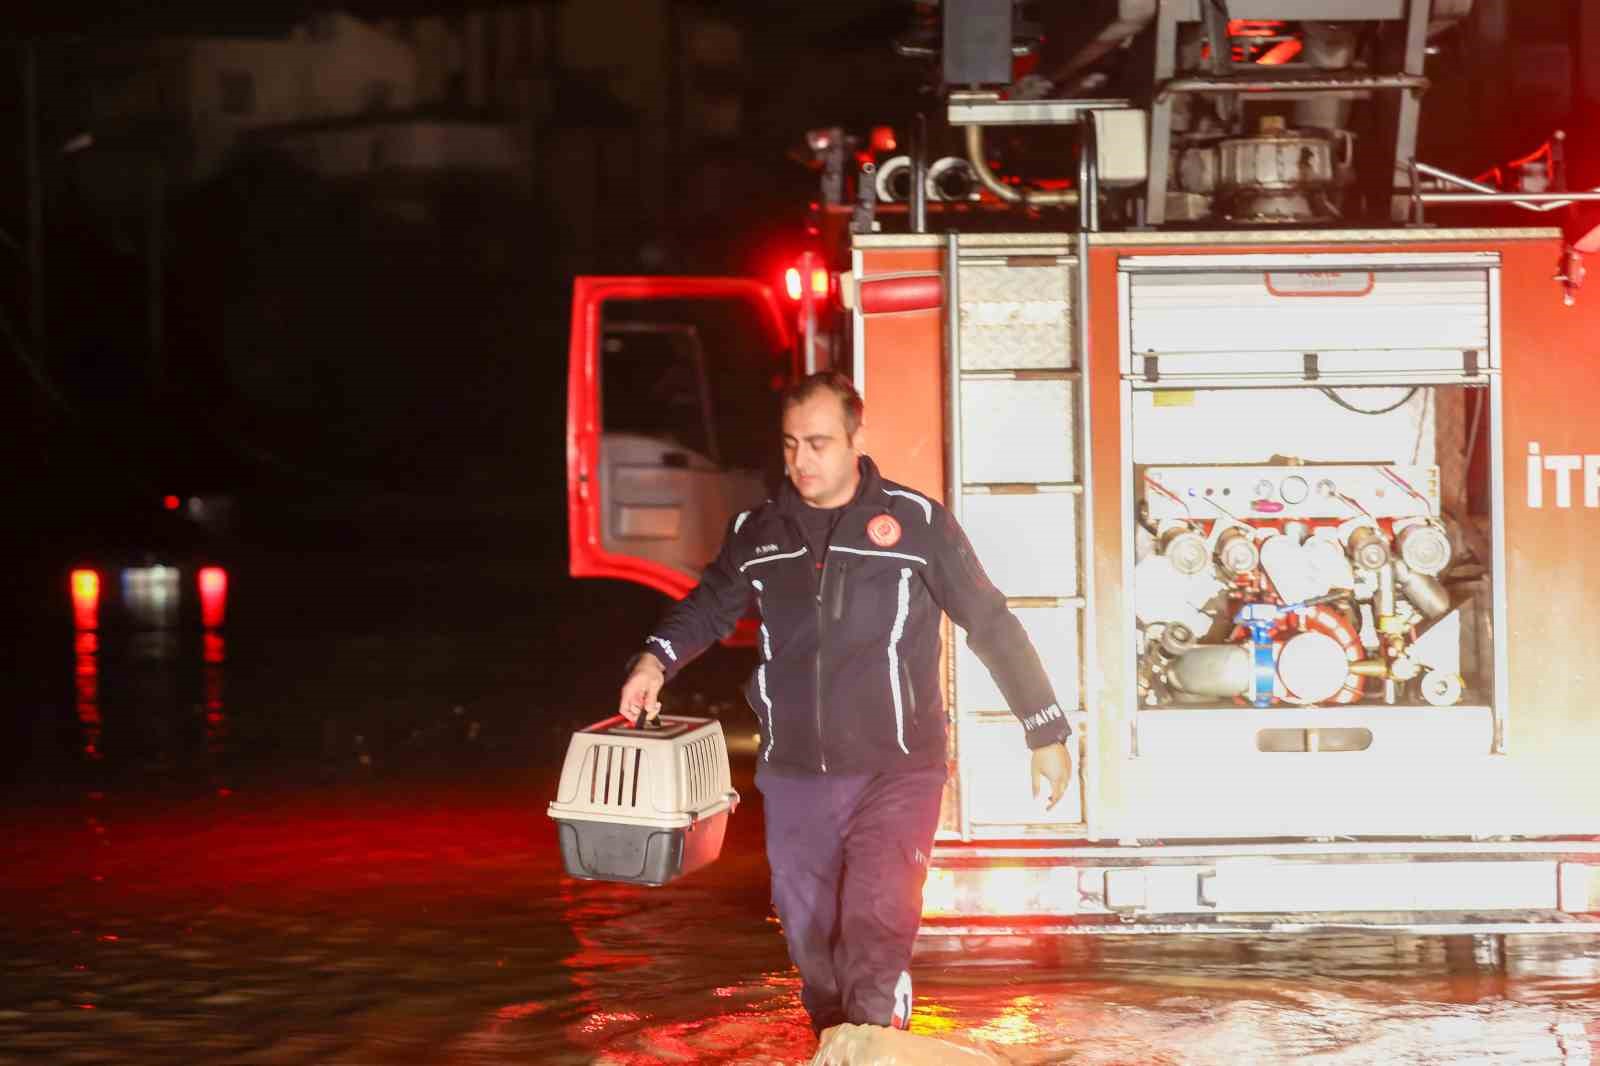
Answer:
(849, 678)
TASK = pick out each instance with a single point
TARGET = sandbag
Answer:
(874, 1045)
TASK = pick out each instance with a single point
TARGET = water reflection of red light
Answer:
(512, 1011)
(213, 654)
(86, 682)
(601, 1020)
(85, 599)
(213, 581)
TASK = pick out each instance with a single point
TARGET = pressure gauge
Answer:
(1294, 489)
(1263, 489)
(1326, 488)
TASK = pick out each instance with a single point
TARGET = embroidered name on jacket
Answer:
(1043, 717)
(765, 548)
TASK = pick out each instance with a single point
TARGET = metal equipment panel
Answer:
(1323, 431)
(1366, 735)
(1330, 491)
(1018, 431)
(1311, 311)
(1026, 542)
(1054, 632)
(1003, 803)
(1400, 735)
(1245, 886)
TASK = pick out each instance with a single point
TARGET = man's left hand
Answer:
(1053, 763)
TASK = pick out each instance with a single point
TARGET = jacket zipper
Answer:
(822, 585)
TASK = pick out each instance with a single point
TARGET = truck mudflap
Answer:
(1439, 887)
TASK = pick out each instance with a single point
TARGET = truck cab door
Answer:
(672, 421)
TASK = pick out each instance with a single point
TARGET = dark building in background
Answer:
(602, 125)
(329, 261)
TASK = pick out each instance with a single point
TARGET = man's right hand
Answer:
(642, 690)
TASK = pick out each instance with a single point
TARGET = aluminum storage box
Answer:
(643, 806)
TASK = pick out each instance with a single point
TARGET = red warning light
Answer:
(85, 599)
(791, 283)
(170, 502)
(213, 581)
(882, 140)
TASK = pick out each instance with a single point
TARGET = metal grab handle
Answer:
(1348, 140)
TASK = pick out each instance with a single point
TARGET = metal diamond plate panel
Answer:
(1016, 318)
(1027, 543)
(1054, 632)
(1018, 431)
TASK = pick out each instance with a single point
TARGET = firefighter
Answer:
(850, 572)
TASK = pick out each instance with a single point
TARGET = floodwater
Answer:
(316, 834)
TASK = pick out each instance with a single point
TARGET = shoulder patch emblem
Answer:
(884, 531)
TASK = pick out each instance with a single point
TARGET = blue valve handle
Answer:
(1259, 619)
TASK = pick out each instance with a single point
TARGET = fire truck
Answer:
(1286, 470)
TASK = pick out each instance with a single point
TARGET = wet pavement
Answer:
(316, 834)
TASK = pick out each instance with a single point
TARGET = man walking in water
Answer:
(850, 572)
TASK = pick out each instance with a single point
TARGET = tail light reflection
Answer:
(214, 654)
(213, 581)
(85, 599)
(86, 685)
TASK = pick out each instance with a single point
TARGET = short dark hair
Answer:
(827, 381)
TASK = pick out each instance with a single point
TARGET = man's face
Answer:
(819, 457)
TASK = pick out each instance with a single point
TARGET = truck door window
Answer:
(719, 344)
(653, 384)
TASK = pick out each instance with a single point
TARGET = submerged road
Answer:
(317, 835)
(428, 921)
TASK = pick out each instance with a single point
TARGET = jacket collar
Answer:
(871, 481)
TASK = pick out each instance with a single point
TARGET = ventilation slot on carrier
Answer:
(614, 776)
(701, 761)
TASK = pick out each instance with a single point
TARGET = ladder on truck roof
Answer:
(1016, 465)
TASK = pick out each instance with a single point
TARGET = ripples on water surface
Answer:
(232, 876)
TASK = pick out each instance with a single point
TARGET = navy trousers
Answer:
(849, 856)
